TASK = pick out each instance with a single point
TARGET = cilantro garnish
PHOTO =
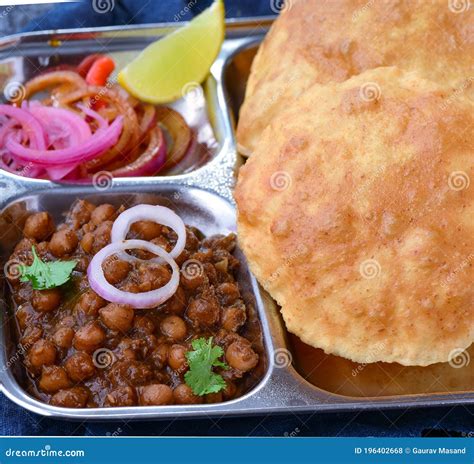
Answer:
(200, 376)
(47, 275)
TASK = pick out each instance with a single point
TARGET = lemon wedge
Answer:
(166, 69)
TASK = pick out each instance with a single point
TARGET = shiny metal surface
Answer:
(204, 199)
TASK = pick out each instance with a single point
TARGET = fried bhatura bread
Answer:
(356, 214)
(323, 41)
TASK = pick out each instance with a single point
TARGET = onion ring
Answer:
(154, 213)
(151, 299)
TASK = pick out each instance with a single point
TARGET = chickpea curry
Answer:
(128, 306)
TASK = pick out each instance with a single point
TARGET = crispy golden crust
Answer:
(317, 41)
(356, 214)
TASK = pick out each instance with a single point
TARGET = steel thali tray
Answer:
(203, 197)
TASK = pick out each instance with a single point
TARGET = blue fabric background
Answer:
(457, 421)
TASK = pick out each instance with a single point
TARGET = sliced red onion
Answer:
(154, 213)
(68, 122)
(150, 299)
(102, 140)
(150, 162)
(31, 126)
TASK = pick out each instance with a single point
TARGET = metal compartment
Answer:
(205, 198)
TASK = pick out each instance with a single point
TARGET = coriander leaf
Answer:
(47, 275)
(200, 376)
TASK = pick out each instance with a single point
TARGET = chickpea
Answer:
(75, 397)
(117, 317)
(146, 230)
(31, 335)
(63, 337)
(90, 303)
(115, 270)
(240, 356)
(89, 337)
(87, 242)
(46, 300)
(203, 312)
(80, 213)
(53, 379)
(143, 324)
(42, 353)
(230, 390)
(102, 236)
(213, 398)
(228, 293)
(183, 394)
(79, 366)
(122, 396)
(155, 395)
(39, 226)
(192, 275)
(160, 355)
(63, 242)
(234, 317)
(177, 303)
(177, 358)
(102, 213)
(173, 327)
(152, 276)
